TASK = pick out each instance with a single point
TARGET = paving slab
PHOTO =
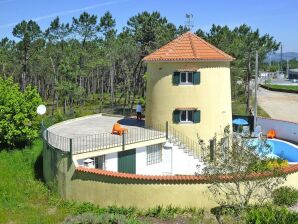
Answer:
(94, 132)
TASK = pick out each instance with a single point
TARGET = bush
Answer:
(287, 196)
(106, 218)
(170, 212)
(270, 215)
(19, 122)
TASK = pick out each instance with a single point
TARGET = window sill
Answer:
(186, 84)
(185, 122)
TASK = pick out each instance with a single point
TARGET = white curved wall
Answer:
(284, 129)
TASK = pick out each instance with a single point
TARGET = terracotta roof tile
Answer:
(180, 178)
(188, 47)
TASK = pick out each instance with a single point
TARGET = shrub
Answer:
(19, 122)
(106, 218)
(129, 212)
(170, 212)
(277, 164)
(269, 215)
(287, 196)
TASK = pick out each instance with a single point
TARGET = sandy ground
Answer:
(278, 105)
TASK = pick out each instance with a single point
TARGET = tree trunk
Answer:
(64, 106)
(112, 84)
(248, 87)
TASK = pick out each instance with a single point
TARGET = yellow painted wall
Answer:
(104, 191)
(212, 97)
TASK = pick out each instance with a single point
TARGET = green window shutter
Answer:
(197, 116)
(196, 78)
(176, 78)
(176, 116)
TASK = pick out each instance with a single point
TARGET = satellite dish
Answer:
(41, 109)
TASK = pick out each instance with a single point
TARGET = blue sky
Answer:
(276, 17)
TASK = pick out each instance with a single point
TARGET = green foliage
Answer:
(240, 159)
(285, 196)
(18, 118)
(239, 108)
(106, 218)
(24, 198)
(283, 87)
(150, 30)
(270, 215)
(70, 62)
(171, 212)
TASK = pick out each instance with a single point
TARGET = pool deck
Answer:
(94, 132)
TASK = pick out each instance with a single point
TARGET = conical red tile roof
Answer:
(188, 47)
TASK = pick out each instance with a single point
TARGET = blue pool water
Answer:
(281, 149)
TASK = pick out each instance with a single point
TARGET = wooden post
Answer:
(167, 129)
(212, 149)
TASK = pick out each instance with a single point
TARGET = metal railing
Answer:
(107, 140)
(103, 140)
(188, 144)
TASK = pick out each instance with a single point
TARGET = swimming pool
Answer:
(281, 149)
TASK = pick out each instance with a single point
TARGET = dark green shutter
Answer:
(127, 161)
(197, 116)
(176, 116)
(176, 78)
(196, 78)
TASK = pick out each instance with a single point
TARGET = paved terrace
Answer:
(92, 133)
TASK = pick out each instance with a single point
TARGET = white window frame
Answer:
(153, 154)
(186, 79)
(186, 120)
(103, 161)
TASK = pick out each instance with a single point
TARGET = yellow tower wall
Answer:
(212, 97)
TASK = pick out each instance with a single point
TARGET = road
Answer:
(278, 105)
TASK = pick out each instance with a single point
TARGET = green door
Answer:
(127, 161)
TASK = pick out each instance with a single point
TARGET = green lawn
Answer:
(239, 108)
(283, 87)
(24, 198)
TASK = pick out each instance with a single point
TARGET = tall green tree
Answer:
(57, 36)
(8, 55)
(30, 42)
(150, 31)
(242, 43)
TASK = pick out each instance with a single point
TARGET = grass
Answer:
(283, 87)
(26, 199)
(239, 108)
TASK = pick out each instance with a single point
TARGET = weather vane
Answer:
(189, 21)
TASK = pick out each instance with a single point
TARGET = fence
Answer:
(104, 140)
(193, 147)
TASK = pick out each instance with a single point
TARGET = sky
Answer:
(278, 18)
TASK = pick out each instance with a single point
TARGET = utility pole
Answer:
(281, 69)
(256, 87)
(287, 68)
